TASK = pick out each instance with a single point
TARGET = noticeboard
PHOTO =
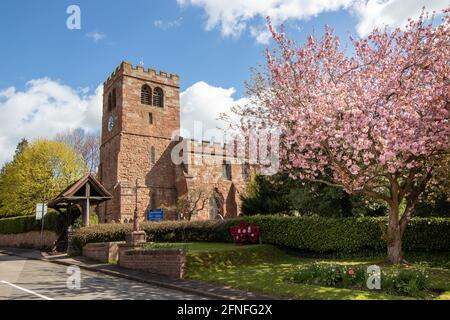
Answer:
(41, 210)
(155, 215)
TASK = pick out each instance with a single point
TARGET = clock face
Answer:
(110, 123)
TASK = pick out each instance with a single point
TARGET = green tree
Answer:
(21, 146)
(311, 198)
(265, 195)
(281, 194)
(38, 172)
(19, 149)
(435, 201)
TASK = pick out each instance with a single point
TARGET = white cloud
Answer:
(395, 13)
(96, 36)
(234, 16)
(44, 108)
(202, 104)
(168, 24)
(261, 34)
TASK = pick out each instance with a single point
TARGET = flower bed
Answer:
(397, 280)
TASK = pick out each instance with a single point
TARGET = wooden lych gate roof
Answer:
(87, 188)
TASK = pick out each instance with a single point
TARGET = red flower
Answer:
(350, 272)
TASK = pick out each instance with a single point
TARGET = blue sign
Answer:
(155, 215)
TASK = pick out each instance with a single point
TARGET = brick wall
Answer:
(104, 252)
(168, 262)
(29, 240)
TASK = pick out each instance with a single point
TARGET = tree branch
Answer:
(412, 199)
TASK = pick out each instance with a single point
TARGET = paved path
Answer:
(21, 278)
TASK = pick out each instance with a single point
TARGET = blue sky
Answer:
(51, 76)
(36, 42)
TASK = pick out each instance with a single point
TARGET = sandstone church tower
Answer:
(141, 110)
(141, 113)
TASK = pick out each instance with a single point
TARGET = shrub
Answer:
(331, 275)
(314, 234)
(408, 282)
(166, 231)
(29, 223)
(97, 233)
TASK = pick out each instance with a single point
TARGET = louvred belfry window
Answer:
(146, 95)
(158, 97)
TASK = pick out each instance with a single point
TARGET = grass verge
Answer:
(264, 269)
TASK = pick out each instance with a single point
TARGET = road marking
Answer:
(26, 290)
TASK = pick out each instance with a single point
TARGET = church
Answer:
(140, 136)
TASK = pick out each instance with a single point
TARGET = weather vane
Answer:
(141, 62)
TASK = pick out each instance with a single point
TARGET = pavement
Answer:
(30, 274)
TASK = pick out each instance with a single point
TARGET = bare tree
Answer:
(189, 204)
(86, 143)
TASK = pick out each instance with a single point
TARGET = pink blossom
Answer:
(378, 117)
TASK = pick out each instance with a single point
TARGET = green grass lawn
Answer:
(195, 246)
(264, 269)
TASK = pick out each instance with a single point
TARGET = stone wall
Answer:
(29, 240)
(167, 262)
(104, 252)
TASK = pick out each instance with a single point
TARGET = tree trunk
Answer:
(394, 237)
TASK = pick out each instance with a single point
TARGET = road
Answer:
(23, 279)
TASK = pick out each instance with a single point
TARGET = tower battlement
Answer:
(227, 151)
(150, 74)
(207, 147)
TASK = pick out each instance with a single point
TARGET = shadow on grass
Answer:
(266, 271)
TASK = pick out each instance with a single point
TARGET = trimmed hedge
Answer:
(347, 235)
(315, 234)
(166, 231)
(24, 224)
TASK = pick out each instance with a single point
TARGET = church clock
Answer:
(110, 123)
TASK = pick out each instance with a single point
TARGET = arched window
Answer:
(226, 170)
(216, 203)
(153, 201)
(109, 101)
(213, 209)
(113, 97)
(146, 95)
(245, 170)
(158, 97)
(152, 155)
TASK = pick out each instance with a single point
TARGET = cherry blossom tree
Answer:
(373, 120)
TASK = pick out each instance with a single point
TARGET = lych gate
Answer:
(82, 194)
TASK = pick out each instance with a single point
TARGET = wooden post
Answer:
(87, 206)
